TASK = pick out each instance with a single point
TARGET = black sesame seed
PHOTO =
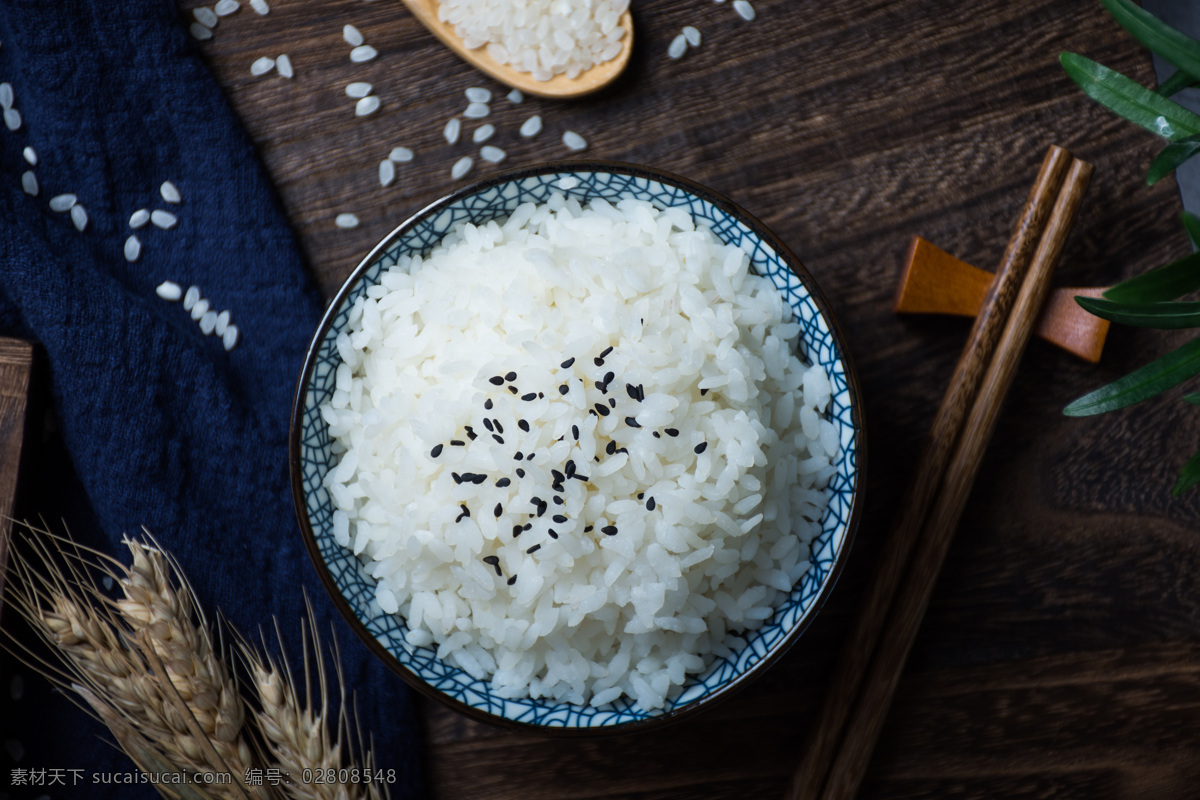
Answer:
(458, 443)
(496, 380)
(558, 501)
(528, 525)
(605, 352)
(466, 512)
(623, 450)
(558, 476)
(594, 458)
(564, 389)
(611, 447)
(592, 412)
(498, 510)
(541, 510)
(671, 431)
(531, 455)
(537, 501)
(567, 364)
(523, 425)
(599, 362)
(650, 504)
(700, 448)
(581, 476)
(703, 392)
(641, 495)
(512, 580)
(631, 390)
(503, 482)
(601, 410)
(487, 423)
(517, 530)
(529, 397)
(518, 456)
(520, 472)
(553, 533)
(632, 422)
(436, 451)
(655, 435)
(487, 404)
(491, 559)
(570, 470)
(602, 386)
(478, 479)
(612, 401)
(575, 432)
(608, 377)
(456, 476)
(559, 518)
(510, 377)
(512, 388)
(540, 395)
(499, 439)
(609, 530)
(499, 427)
(587, 529)
(558, 487)
(534, 549)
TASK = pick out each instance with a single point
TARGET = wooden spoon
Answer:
(560, 87)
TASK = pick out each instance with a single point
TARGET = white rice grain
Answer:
(169, 290)
(744, 9)
(461, 167)
(30, 156)
(260, 6)
(208, 322)
(358, 89)
(478, 94)
(483, 133)
(79, 217)
(139, 218)
(574, 141)
(451, 131)
(515, 96)
(352, 35)
(283, 64)
(199, 309)
(387, 172)
(169, 192)
(222, 323)
(205, 16)
(692, 35)
(224, 8)
(492, 155)
(477, 111)
(29, 183)
(346, 221)
(678, 46)
(133, 248)
(62, 202)
(12, 119)
(191, 297)
(163, 219)
(6, 95)
(532, 126)
(262, 65)
(367, 105)
(200, 32)
(230, 337)
(364, 52)
(401, 155)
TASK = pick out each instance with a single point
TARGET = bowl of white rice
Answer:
(578, 448)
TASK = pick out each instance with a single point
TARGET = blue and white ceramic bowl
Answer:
(353, 590)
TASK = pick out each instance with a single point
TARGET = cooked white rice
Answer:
(662, 502)
(542, 37)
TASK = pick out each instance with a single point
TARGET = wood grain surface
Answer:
(1060, 655)
(16, 368)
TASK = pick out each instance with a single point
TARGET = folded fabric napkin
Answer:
(164, 427)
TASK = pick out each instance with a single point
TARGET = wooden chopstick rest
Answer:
(935, 282)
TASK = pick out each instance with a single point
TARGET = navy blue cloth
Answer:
(162, 427)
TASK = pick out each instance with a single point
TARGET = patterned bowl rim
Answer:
(567, 168)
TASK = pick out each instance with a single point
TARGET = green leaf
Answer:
(1169, 371)
(1144, 315)
(1191, 224)
(1130, 99)
(1161, 283)
(1188, 477)
(1180, 49)
(1175, 84)
(1171, 157)
(1193, 398)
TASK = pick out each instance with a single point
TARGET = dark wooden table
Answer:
(1061, 653)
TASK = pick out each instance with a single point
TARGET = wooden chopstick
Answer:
(830, 732)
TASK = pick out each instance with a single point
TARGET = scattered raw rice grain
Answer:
(283, 65)
(692, 34)
(230, 337)
(461, 167)
(401, 155)
(199, 32)
(139, 218)
(200, 309)
(678, 46)
(191, 297)
(492, 155)
(260, 6)
(222, 323)
(566, 183)
(30, 156)
(483, 133)
(226, 7)
(364, 52)
(477, 111)
(208, 322)
(744, 9)
(205, 16)
(79, 217)
(346, 221)
(352, 35)
(574, 141)
(451, 130)
(62, 202)
(169, 290)
(358, 89)
(169, 192)
(6, 95)
(531, 126)
(368, 105)
(12, 119)
(133, 248)
(515, 96)
(262, 66)
(387, 172)
(163, 219)
(29, 183)
(478, 94)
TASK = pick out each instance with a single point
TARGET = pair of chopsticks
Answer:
(844, 734)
